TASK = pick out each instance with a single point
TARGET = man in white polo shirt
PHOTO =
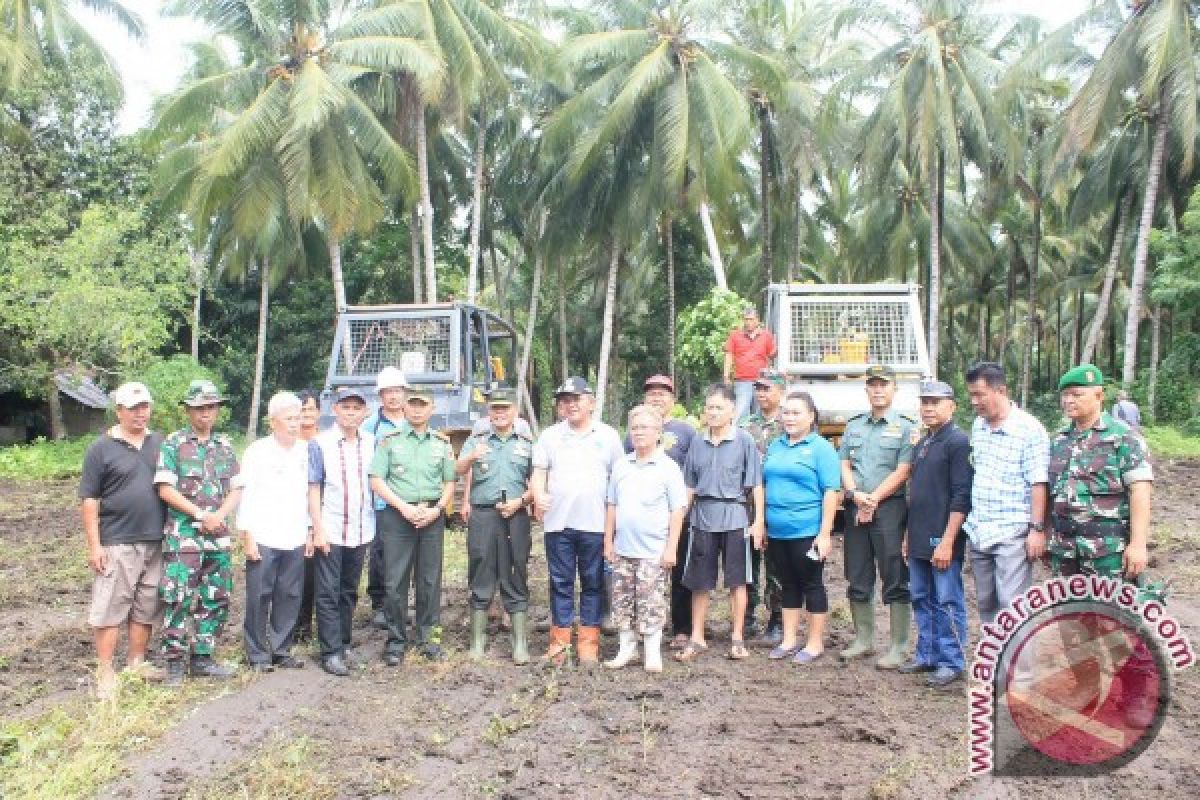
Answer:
(572, 461)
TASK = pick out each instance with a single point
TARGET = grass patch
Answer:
(43, 459)
(1168, 442)
(528, 707)
(283, 769)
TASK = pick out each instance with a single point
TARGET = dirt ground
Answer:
(717, 728)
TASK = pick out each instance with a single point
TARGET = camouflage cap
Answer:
(420, 393)
(1083, 375)
(936, 389)
(202, 393)
(771, 377)
(881, 372)
(502, 396)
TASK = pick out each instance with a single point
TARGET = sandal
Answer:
(691, 651)
(680, 641)
(737, 650)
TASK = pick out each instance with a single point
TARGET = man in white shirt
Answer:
(339, 501)
(273, 519)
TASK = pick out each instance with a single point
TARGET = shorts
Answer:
(128, 590)
(730, 548)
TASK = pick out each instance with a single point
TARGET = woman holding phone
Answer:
(802, 477)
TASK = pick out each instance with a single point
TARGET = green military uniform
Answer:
(415, 466)
(197, 569)
(763, 431)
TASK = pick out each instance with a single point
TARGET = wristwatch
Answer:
(1037, 526)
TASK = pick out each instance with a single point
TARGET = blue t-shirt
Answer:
(796, 476)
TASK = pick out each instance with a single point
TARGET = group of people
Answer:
(645, 527)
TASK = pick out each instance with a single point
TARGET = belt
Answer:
(490, 506)
(721, 499)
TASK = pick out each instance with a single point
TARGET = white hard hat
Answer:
(390, 378)
(131, 394)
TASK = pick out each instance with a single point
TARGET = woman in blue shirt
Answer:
(802, 477)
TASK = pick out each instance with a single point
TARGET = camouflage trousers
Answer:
(639, 594)
(773, 596)
(195, 589)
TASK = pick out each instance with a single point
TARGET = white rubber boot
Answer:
(627, 653)
(652, 643)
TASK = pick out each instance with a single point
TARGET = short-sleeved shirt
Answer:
(1090, 473)
(876, 446)
(121, 477)
(751, 353)
(644, 494)
(340, 467)
(274, 504)
(577, 467)
(204, 472)
(720, 473)
(1009, 461)
(1127, 411)
(414, 465)
(939, 485)
(676, 439)
(379, 426)
(504, 471)
(796, 476)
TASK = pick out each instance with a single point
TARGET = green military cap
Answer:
(421, 393)
(771, 377)
(882, 372)
(502, 396)
(202, 393)
(1083, 375)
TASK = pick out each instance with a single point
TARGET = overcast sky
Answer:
(153, 67)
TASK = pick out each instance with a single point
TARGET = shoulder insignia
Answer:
(907, 418)
(389, 435)
(858, 416)
(441, 436)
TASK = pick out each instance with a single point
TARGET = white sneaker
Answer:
(653, 642)
(627, 653)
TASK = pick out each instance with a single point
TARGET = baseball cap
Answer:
(202, 393)
(390, 378)
(881, 372)
(128, 395)
(346, 392)
(936, 389)
(1083, 375)
(771, 377)
(749, 311)
(419, 393)
(659, 381)
(502, 396)
(574, 385)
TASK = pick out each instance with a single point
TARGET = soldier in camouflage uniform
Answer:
(197, 477)
(765, 426)
(1100, 482)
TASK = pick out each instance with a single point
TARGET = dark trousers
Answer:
(940, 611)
(273, 587)
(570, 552)
(413, 556)
(802, 578)
(337, 576)
(875, 547)
(304, 621)
(681, 596)
(498, 558)
(376, 577)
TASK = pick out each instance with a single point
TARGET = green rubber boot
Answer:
(901, 614)
(479, 621)
(863, 615)
(520, 637)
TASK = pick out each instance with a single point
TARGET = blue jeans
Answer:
(570, 552)
(744, 400)
(940, 612)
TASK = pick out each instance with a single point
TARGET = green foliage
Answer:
(703, 330)
(1171, 442)
(167, 381)
(1177, 275)
(44, 460)
(1178, 397)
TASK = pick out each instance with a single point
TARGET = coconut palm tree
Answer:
(32, 31)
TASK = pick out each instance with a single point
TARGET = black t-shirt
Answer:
(940, 483)
(122, 479)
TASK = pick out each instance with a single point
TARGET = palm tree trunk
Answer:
(982, 331)
(1031, 304)
(1155, 345)
(339, 292)
(669, 235)
(196, 324)
(1011, 287)
(1110, 279)
(260, 353)
(414, 227)
(764, 180)
(426, 212)
(58, 427)
(935, 269)
(1077, 332)
(714, 252)
(476, 209)
(1137, 285)
(564, 353)
(531, 320)
(606, 336)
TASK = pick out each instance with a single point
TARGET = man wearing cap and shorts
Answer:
(658, 392)
(876, 454)
(198, 478)
(748, 351)
(391, 386)
(765, 426)
(498, 532)
(572, 461)
(341, 507)
(413, 471)
(123, 526)
(722, 466)
(939, 498)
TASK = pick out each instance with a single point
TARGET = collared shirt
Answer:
(1128, 412)
(504, 471)
(414, 465)
(339, 466)
(121, 478)
(274, 505)
(876, 446)
(577, 469)
(796, 476)
(752, 353)
(1009, 461)
(645, 493)
(379, 426)
(677, 437)
(762, 430)
(721, 473)
(203, 472)
(1090, 473)
(940, 484)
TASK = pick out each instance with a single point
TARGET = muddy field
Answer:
(717, 728)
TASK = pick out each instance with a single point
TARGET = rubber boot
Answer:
(174, 673)
(627, 653)
(520, 637)
(901, 614)
(589, 645)
(606, 622)
(863, 615)
(558, 652)
(479, 624)
(652, 644)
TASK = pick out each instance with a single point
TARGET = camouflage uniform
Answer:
(763, 431)
(197, 568)
(639, 593)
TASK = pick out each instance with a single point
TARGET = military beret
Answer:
(1083, 375)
